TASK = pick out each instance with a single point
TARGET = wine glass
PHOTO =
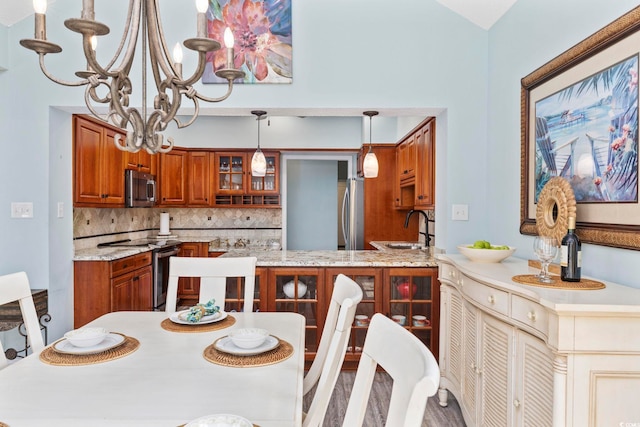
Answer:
(546, 249)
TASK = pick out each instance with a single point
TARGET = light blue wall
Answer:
(530, 34)
(403, 54)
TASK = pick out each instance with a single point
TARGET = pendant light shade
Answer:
(370, 163)
(258, 161)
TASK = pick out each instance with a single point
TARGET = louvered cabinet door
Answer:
(471, 369)
(455, 335)
(497, 373)
(533, 400)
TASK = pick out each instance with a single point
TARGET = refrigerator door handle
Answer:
(345, 232)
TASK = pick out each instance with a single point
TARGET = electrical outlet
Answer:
(460, 212)
(21, 210)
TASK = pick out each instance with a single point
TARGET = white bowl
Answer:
(248, 337)
(289, 290)
(220, 420)
(86, 337)
(486, 255)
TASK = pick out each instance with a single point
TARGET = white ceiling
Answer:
(483, 13)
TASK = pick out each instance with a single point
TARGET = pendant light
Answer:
(258, 162)
(370, 163)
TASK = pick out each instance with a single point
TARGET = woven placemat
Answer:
(282, 352)
(168, 325)
(52, 357)
(556, 283)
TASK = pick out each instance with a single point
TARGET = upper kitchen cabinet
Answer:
(426, 170)
(198, 178)
(172, 179)
(141, 161)
(406, 160)
(235, 186)
(98, 165)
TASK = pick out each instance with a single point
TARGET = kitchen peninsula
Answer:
(399, 283)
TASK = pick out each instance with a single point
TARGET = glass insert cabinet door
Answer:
(412, 299)
(230, 171)
(298, 290)
(269, 182)
(370, 281)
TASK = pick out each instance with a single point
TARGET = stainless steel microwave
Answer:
(140, 189)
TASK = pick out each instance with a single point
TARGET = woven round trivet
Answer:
(282, 352)
(50, 356)
(168, 325)
(556, 283)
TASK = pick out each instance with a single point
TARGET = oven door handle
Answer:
(167, 254)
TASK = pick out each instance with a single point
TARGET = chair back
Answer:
(15, 287)
(414, 370)
(326, 366)
(213, 274)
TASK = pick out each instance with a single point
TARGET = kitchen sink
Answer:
(404, 245)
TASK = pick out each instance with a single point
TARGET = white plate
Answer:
(181, 318)
(110, 341)
(226, 345)
(222, 420)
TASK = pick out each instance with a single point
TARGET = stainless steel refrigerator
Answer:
(353, 214)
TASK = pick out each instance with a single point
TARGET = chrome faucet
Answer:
(427, 239)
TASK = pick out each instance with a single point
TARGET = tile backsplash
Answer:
(96, 225)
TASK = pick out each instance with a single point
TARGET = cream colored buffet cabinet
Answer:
(519, 355)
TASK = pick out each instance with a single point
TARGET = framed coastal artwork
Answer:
(579, 121)
(262, 40)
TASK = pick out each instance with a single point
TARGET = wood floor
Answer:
(435, 415)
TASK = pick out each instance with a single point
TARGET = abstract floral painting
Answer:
(262, 33)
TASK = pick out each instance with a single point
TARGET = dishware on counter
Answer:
(362, 320)
(400, 319)
(248, 338)
(546, 249)
(486, 255)
(289, 289)
(225, 345)
(108, 342)
(220, 420)
(86, 337)
(180, 317)
(420, 321)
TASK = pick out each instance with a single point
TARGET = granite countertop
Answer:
(383, 257)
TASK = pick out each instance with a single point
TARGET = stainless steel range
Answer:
(162, 251)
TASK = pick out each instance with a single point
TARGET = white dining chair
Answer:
(213, 274)
(412, 367)
(15, 287)
(326, 366)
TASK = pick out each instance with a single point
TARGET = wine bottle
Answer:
(570, 254)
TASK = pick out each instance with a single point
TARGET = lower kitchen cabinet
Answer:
(189, 287)
(101, 287)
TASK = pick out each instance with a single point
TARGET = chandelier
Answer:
(110, 84)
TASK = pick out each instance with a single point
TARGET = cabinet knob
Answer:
(136, 278)
(532, 316)
(516, 403)
(491, 299)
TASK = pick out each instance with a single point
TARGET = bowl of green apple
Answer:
(483, 251)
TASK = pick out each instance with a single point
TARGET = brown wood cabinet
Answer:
(189, 287)
(235, 186)
(101, 287)
(426, 166)
(98, 166)
(382, 221)
(141, 161)
(406, 160)
(172, 180)
(198, 179)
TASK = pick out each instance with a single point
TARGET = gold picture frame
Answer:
(616, 224)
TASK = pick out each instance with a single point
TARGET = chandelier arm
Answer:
(57, 80)
(202, 63)
(132, 44)
(157, 42)
(222, 98)
(194, 116)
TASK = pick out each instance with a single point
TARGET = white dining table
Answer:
(165, 382)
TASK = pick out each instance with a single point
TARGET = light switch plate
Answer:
(21, 210)
(460, 212)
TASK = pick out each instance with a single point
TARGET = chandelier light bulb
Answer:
(40, 6)
(202, 5)
(228, 38)
(177, 53)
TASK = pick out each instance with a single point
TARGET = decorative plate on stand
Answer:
(556, 203)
